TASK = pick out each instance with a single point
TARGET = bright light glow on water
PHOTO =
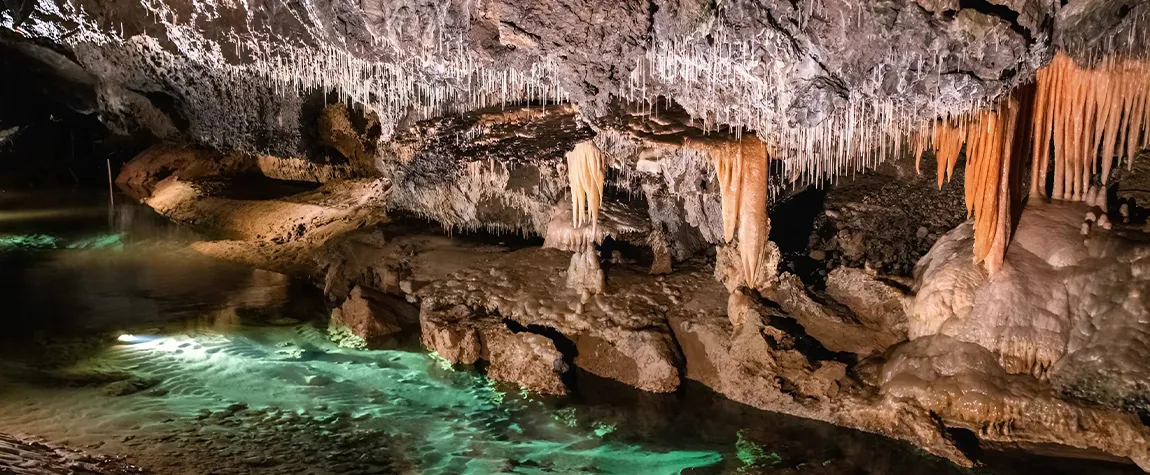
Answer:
(99, 241)
(136, 339)
(26, 241)
(186, 364)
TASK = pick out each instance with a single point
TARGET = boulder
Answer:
(368, 318)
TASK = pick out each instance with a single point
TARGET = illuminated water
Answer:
(119, 340)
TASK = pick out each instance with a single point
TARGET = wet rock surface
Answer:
(826, 344)
(368, 319)
(617, 334)
(313, 138)
(30, 457)
(242, 440)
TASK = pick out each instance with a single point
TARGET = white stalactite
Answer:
(586, 172)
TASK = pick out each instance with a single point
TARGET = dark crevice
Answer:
(965, 441)
(801, 213)
(810, 347)
(534, 37)
(170, 107)
(652, 9)
(1007, 74)
(788, 387)
(1000, 11)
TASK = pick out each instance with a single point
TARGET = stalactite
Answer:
(1089, 119)
(741, 169)
(948, 137)
(992, 181)
(586, 173)
(728, 161)
(754, 224)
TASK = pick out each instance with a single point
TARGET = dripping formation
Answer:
(754, 225)
(994, 144)
(585, 173)
(1090, 119)
(742, 174)
(728, 161)
(851, 139)
(1085, 119)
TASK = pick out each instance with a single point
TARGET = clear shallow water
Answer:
(120, 340)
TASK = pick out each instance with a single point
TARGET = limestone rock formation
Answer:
(1060, 292)
(367, 318)
(617, 334)
(517, 356)
(725, 192)
(963, 384)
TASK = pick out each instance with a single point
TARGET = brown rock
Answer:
(831, 324)
(461, 336)
(368, 317)
(620, 333)
(140, 176)
(644, 360)
(526, 359)
(458, 344)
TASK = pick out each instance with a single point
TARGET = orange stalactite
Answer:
(1085, 119)
(728, 160)
(754, 224)
(992, 146)
(1089, 119)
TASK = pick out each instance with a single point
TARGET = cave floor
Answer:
(121, 341)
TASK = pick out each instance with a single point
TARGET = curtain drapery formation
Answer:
(586, 172)
(742, 171)
(1084, 120)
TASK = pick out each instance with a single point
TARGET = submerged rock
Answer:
(128, 386)
(29, 457)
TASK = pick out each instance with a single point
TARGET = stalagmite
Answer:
(586, 172)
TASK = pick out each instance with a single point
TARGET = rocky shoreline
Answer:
(834, 350)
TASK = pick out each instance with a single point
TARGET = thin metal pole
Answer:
(111, 197)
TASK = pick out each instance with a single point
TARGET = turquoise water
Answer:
(121, 341)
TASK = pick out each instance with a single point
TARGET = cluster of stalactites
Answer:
(1088, 119)
(742, 172)
(1087, 116)
(993, 151)
(586, 172)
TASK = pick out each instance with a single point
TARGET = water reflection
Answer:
(121, 340)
